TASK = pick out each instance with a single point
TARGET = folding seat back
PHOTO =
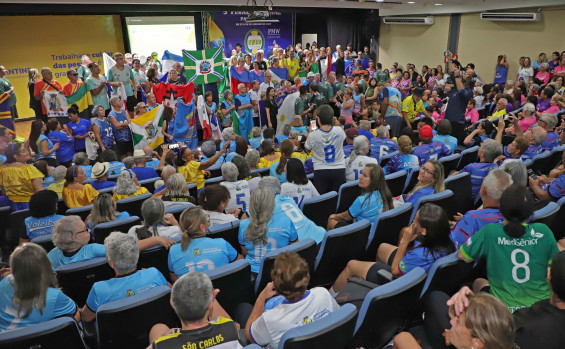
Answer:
(76, 279)
(450, 163)
(82, 211)
(447, 274)
(468, 156)
(386, 229)
(132, 205)
(102, 230)
(319, 209)
(234, 282)
(45, 242)
(348, 192)
(460, 185)
(59, 333)
(442, 199)
(396, 182)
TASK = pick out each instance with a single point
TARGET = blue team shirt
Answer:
(473, 142)
(87, 170)
(79, 129)
(231, 149)
(154, 164)
(66, 149)
(414, 197)
(367, 206)
(557, 188)
(551, 141)
(305, 228)
(478, 172)
(382, 146)
(280, 233)
(302, 129)
(532, 151)
(57, 304)
(86, 252)
(256, 142)
(115, 167)
(123, 135)
(472, 222)
(401, 162)
(143, 173)
(273, 173)
(281, 138)
(36, 227)
(366, 133)
(121, 287)
(99, 185)
(106, 132)
(433, 150)
(47, 181)
(419, 257)
(201, 254)
(449, 141)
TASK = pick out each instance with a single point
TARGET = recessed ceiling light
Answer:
(411, 2)
(438, 4)
(379, 0)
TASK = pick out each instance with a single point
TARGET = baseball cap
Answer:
(351, 133)
(311, 75)
(426, 132)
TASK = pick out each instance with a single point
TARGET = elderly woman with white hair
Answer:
(548, 122)
(71, 238)
(228, 135)
(261, 232)
(245, 172)
(81, 159)
(252, 158)
(527, 118)
(122, 254)
(128, 186)
(158, 228)
(358, 159)
(256, 137)
(239, 189)
(176, 190)
(58, 175)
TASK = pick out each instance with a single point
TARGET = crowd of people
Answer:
(346, 126)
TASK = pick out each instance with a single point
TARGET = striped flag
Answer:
(146, 129)
(5, 114)
(185, 127)
(203, 67)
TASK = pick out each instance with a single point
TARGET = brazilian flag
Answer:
(203, 67)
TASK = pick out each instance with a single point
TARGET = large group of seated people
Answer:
(358, 128)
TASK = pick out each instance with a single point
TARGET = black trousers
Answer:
(458, 131)
(329, 180)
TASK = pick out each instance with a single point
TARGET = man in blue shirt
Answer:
(471, 222)
(122, 254)
(444, 135)
(428, 149)
(547, 189)
(548, 122)
(535, 135)
(455, 111)
(382, 144)
(101, 174)
(488, 152)
(141, 171)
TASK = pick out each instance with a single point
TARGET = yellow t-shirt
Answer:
(192, 173)
(57, 187)
(139, 191)
(301, 156)
(79, 197)
(412, 109)
(17, 181)
(292, 66)
(497, 114)
(266, 163)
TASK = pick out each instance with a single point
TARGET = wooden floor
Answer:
(23, 128)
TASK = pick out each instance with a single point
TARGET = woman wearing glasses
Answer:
(430, 181)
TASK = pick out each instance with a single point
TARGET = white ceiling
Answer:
(420, 7)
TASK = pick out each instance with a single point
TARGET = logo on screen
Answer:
(254, 41)
(205, 67)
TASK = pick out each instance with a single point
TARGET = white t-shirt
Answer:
(254, 183)
(264, 86)
(353, 172)
(327, 148)
(299, 192)
(239, 195)
(173, 232)
(217, 218)
(272, 325)
(526, 74)
(255, 96)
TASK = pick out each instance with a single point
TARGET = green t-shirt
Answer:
(83, 72)
(124, 76)
(6, 86)
(102, 97)
(516, 267)
(326, 89)
(299, 106)
(381, 76)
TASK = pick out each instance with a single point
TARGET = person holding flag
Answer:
(229, 115)
(47, 83)
(76, 92)
(97, 86)
(244, 105)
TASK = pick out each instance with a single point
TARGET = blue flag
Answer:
(185, 126)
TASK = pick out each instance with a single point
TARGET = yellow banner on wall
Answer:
(57, 42)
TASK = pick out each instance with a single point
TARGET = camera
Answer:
(173, 146)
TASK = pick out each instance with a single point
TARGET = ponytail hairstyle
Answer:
(73, 109)
(359, 143)
(190, 221)
(516, 205)
(34, 134)
(404, 145)
(12, 150)
(261, 207)
(286, 148)
(267, 148)
(152, 211)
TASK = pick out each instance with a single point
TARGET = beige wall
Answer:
(418, 44)
(481, 41)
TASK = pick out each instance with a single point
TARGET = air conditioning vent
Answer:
(510, 17)
(429, 20)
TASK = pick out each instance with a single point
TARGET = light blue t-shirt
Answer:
(367, 206)
(115, 168)
(120, 287)
(121, 216)
(448, 141)
(305, 228)
(273, 173)
(280, 233)
(86, 252)
(124, 76)
(201, 254)
(47, 181)
(302, 129)
(419, 257)
(256, 142)
(39, 154)
(57, 304)
(36, 227)
(87, 170)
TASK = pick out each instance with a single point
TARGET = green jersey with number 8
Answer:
(516, 267)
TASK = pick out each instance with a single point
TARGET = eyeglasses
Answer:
(75, 74)
(86, 230)
(426, 170)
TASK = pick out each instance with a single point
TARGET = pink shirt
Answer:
(553, 109)
(544, 77)
(472, 115)
(526, 123)
(559, 69)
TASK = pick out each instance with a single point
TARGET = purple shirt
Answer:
(543, 105)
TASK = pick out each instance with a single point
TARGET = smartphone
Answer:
(173, 146)
(532, 174)
(313, 126)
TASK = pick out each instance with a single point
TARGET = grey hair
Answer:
(58, 173)
(128, 162)
(256, 132)
(44, 69)
(549, 119)
(122, 250)
(191, 296)
(63, 231)
(103, 210)
(365, 125)
(540, 135)
(84, 58)
(382, 131)
(252, 158)
(529, 108)
(261, 207)
(226, 94)
(176, 185)
(80, 158)
(492, 149)
(125, 184)
(359, 143)
(286, 129)
(94, 112)
(227, 134)
(496, 182)
(544, 65)
(294, 134)
(510, 82)
(167, 172)
(208, 148)
(271, 182)
(229, 172)
(114, 99)
(517, 170)
(152, 211)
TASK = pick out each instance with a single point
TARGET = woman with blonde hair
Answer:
(104, 210)
(430, 181)
(33, 77)
(29, 295)
(403, 161)
(196, 252)
(128, 186)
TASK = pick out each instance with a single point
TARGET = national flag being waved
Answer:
(185, 126)
(78, 94)
(5, 114)
(203, 67)
(168, 94)
(146, 129)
